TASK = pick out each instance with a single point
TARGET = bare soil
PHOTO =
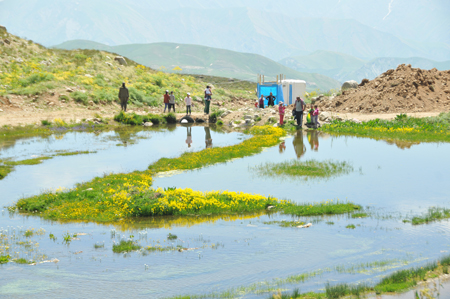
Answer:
(403, 90)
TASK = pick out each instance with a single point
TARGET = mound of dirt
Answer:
(402, 90)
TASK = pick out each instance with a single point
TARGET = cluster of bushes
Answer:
(136, 120)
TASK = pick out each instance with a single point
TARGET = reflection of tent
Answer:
(285, 90)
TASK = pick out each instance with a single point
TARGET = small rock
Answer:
(184, 121)
(91, 103)
(89, 76)
(247, 117)
(148, 124)
(7, 41)
(1, 110)
(349, 85)
(69, 89)
(89, 189)
(19, 60)
(109, 63)
(120, 60)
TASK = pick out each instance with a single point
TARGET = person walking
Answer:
(166, 101)
(208, 96)
(261, 102)
(271, 100)
(188, 101)
(299, 107)
(281, 110)
(124, 95)
(172, 102)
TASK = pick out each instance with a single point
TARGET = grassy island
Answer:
(120, 196)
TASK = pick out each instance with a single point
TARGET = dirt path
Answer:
(16, 114)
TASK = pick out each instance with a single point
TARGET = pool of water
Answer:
(391, 181)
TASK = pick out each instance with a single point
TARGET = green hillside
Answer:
(93, 77)
(194, 59)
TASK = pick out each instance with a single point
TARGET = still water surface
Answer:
(392, 181)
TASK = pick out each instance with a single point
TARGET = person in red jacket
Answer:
(166, 101)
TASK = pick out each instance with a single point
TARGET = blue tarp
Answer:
(275, 89)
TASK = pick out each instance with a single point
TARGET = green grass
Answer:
(22, 261)
(304, 169)
(76, 153)
(33, 161)
(5, 170)
(285, 223)
(319, 209)
(125, 246)
(433, 214)
(98, 246)
(351, 226)
(137, 120)
(403, 128)
(359, 215)
(28, 233)
(171, 237)
(4, 259)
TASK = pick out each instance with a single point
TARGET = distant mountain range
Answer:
(344, 67)
(194, 59)
(363, 29)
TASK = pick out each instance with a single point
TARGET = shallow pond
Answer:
(392, 181)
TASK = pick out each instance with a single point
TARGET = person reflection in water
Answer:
(208, 139)
(282, 147)
(313, 139)
(189, 136)
(299, 146)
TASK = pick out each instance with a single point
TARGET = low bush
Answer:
(80, 97)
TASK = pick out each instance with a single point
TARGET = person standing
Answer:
(299, 107)
(271, 100)
(316, 117)
(208, 96)
(166, 101)
(261, 102)
(188, 101)
(281, 110)
(124, 95)
(172, 102)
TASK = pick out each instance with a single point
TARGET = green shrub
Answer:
(46, 123)
(36, 78)
(80, 97)
(155, 119)
(129, 119)
(64, 97)
(170, 118)
(219, 122)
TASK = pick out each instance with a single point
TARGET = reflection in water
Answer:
(208, 139)
(167, 222)
(282, 147)
(313, 139)
(299, 146)
(189, 136)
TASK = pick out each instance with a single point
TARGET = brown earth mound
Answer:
(402, 90)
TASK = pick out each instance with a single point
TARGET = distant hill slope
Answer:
(344, 67)
(332, 64)
(194, 59)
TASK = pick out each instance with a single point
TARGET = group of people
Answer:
(169, 100)
(297, 112)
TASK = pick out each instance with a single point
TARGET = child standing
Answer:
(281, 110)
(316, 116)
(188, 101)
(261, 102)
